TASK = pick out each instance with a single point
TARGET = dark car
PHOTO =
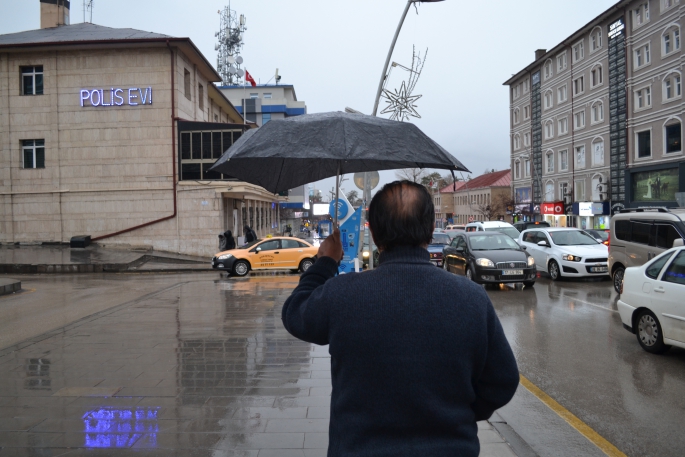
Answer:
(600, 235)
(489, 258)
(439, 241)
(521, 226)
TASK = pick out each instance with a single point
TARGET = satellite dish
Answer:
(231, 59)
(239, 59)
(241, 72)
(216, 47)
(232, 70)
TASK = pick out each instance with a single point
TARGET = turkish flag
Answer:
(249, 78)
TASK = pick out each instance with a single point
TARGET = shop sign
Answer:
(117, 96)
(556, 208)
(585, 209)
(598, 208)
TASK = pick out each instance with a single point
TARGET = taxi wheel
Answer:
(554, 271)
(241, 268)
(305, 264)
(649, 333)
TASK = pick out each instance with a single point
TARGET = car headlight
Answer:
(571, 258)
(365, 254)
(531, 261)
(485, 263)
(225, 256)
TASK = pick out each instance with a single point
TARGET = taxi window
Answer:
(270, 245)
(676, 270)
(290, 244)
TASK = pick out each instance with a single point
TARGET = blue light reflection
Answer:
(111, 427)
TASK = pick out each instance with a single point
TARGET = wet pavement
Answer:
(187, 365)
(199, 364)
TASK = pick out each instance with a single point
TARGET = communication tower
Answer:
(230, 42)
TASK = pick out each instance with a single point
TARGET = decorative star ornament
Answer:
(401, 104)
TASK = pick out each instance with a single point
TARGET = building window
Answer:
(549, 99)
(579, 85)
(596, 77)
(562, 94)
(517, 141)
(668, 4)
(580, 156)
(526, 86)
(549, 130)
(641, 15)
(201, 96)
(563, 126)
(526, 139)
(563, 160)
(672, 87)
(643, 143)
(266, 117)
(596, 40)
(526, 164)
(550, 162)
(549, 192)
(579, 120)
(643, 98)
(517, 169)
(34, 153)
(199, 150)
(516, 115)
(670, 41)
(561, 62)
(563, 190)
(673, 134)
(254, 95)
(548, 71)
(598, 153)
(186, 83)
(267, 95)
(578, 52)
(642, 56)
(526, 112)
(597, 112)
(579, 187)
(32, 80)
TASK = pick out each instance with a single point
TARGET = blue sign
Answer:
(342, 209)
(349, 235)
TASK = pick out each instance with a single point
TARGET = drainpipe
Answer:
(573, 133)
(173, 157)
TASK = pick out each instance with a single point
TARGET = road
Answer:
(205, 357)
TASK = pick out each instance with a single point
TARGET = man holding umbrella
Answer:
(411, 371)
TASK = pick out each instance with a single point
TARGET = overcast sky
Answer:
(333, 53)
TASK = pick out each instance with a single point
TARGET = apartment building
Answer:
(483, 198)
(596, 121)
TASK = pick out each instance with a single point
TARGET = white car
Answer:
(652, 303)
(565, 252)
(493, 226)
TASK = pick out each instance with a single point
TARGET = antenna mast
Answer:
(88, 6)
(230, 43)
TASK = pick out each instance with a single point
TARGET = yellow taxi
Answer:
(276, 253)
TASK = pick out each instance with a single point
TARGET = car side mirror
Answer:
(678, 242)
(543, 244)
(258, 249)
(460, 249)
(523, 247)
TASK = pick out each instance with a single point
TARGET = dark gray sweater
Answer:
(418, 355)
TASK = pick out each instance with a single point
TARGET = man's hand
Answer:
(332, 247)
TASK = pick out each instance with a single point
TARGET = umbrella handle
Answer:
(337, 197)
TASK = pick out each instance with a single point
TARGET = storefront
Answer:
(592, 215)
(554, 214)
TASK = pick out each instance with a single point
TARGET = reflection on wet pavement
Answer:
(569, 341)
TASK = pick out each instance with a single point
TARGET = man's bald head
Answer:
(402, 214)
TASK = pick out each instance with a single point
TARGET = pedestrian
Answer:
(222, 242)
(230, 241)
(250, 234)
(411, 371)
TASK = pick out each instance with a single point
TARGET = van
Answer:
(454, 227)
(493, 226)
(639, 234)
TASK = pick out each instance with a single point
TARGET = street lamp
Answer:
(392, 48)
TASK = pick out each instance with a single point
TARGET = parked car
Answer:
(565, 252)
(489, 257)
(493, 226)
(277, 253)
(652, 305)
(640, 234)
(600, 235)
(521, 226)
(439, 241)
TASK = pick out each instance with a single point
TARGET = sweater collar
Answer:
(404, 254)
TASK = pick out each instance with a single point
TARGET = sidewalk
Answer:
(191, 366)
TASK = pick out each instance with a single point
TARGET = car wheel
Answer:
(470, 275)
(444, 265)
(529, 283)
(305, 264)
(554, 271)
(649, 333)
(618, 278)
(241, 268)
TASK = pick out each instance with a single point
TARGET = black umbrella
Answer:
(284, 154)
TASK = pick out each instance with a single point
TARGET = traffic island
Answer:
(9, 286)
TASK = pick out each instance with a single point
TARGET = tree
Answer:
(353, 198)
(411, 174)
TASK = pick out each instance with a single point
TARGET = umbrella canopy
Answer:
(284, 154)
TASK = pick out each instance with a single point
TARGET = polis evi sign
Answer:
(553, 208)
(116, 96)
